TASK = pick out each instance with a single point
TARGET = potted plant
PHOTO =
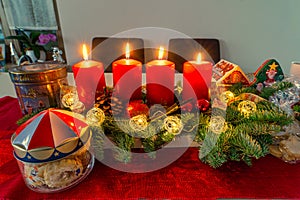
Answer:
(35, 41)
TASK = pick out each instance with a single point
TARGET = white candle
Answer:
(295, 69)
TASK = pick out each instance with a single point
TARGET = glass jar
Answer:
(58, 175)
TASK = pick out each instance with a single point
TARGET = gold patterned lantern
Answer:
(138, 123)
(217, 124)
(247, 107)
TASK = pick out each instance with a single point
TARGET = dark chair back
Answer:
(185, 49)
(180, 50)
(107, 50)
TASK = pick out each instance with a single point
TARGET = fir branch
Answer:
(258, 127)
(246, 144)
(28, 116)
(149, 146)
(211, 151)
(250, 90)
(264, 141)
(214, 159)
(238, 89)
(192, 122)
(266, 112)
(279, 118)
(155, 136)
(157, 141)
(233, 115)
(269, 91)
(296, 108)
(97, 142)
(122, 155)
(248, 160)
(201, 133)
(209, 143)
(123, 141)
(234, 154)
(189, 118)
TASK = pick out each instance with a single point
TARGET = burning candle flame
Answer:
(127, 51)
(199, 58)
(161, 53)
(85, 52)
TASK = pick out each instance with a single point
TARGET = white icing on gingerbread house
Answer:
(226, 73)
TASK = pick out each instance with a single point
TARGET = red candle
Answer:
(160, 81)
(127, 77)
(197, 79)
(89, 78)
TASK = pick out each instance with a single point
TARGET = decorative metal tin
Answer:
(38, 85)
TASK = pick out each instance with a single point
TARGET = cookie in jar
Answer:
(53, 157)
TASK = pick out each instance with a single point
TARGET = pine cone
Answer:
(110, 105)
(117, 107)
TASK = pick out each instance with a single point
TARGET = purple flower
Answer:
(52, 37)
(46, 38)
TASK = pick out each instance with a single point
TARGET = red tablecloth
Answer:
(186, 178)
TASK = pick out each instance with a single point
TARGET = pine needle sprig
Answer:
(97, 142)
(247, 145)
(269, 91)
(29, 116)
(122, 140)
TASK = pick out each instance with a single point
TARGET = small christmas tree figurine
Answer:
(267, 74)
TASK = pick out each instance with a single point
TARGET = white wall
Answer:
(250, 31)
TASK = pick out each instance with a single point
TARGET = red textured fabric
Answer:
(186, 178)
(10, 112)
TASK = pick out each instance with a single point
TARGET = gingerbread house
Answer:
(226, 74)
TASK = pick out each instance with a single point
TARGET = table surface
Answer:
(186, 178)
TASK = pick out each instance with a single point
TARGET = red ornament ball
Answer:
(203, 105)
(137, 107)
(188, 107)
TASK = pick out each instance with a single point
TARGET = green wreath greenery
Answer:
(244, 139)
(240, 138)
